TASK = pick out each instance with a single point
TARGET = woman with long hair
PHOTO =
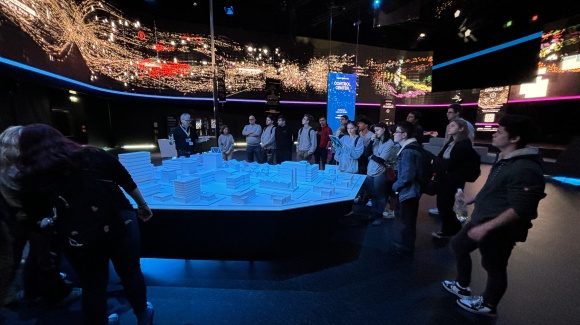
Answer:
(41, 275)
(50, 165)
(376, 180)
(350, 150)
(226, 143)
(451, 164)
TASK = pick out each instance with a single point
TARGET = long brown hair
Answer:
(45, 151)
(463, 130)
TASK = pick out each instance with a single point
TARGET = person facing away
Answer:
(284, 140)
(252, 132)
(413, 117)
(226, 143)
(185, 137)
(502, 216)
(268, 140)
(323, 138)
(451, 164)
(306, 140)
(52, 165)
(349, 152)
(408, 189)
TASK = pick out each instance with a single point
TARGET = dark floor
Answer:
(353, 280)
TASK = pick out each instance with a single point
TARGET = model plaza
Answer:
(207, 182)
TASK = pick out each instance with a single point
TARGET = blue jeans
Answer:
(92, 268)
(377, 187)
(406, 225)
(254, 151)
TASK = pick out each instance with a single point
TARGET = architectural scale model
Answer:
(206, 182)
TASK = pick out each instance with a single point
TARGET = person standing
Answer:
(452, 162)
(376, 180)
(252, 133)
(408, 189)
(268, 141)
(454, 112)
(185, 137)
(226, 143)
(352, 148)
(306, 140)
(504, 209)
(284, 140)
(323, 138)
(413, 118)
(340, 132)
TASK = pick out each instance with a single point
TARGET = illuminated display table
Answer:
(205, 208)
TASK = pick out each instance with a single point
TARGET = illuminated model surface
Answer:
(207, 208)
(206, 182)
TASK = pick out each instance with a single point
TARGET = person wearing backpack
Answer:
(64, 183)
(452, 166)
(306, 140)
(408, 188)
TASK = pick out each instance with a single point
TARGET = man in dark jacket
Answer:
(284, 140)
(504, 210)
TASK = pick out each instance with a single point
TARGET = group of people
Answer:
(274, 143)
(45, 177)
(504, 207)
(39, 167)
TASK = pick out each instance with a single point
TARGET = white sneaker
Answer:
(434, 211)
(388, 214)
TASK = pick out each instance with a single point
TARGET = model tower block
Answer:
(187, 189)
(304, 171)
(212, 160)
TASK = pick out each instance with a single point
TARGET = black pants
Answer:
(495, 249)
(284, 154)
(406, 225)
(321, 156)
(445, 202)
(92, 268)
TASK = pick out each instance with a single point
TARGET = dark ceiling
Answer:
(402, 20)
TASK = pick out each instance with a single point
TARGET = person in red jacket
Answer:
(323, 133)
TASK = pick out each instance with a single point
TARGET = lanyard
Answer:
(187, 133)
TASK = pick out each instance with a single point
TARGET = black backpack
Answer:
(473, 166)
(86, 214)
(427, 176)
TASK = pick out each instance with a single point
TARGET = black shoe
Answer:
(441, 235)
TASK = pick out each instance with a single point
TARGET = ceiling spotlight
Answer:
(422, 35)
(508, 24)
(457, 13)
(534, 18)
(467, 32)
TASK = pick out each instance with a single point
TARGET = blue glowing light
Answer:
(376, 4)
(567, 180)
(489, 50)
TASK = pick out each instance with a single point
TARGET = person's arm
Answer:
(143, 211)
(245, 131)
(507, 217)
(313, 142)
(357, 150)
(229, 144)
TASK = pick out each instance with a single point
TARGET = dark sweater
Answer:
(514, 182)
(284, 137)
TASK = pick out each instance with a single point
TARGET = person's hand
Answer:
(144, 213)
(477, 233)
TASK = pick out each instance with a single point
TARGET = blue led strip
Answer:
(489, 50)
(88, 86)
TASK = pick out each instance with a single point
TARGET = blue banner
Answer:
(341, 98)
